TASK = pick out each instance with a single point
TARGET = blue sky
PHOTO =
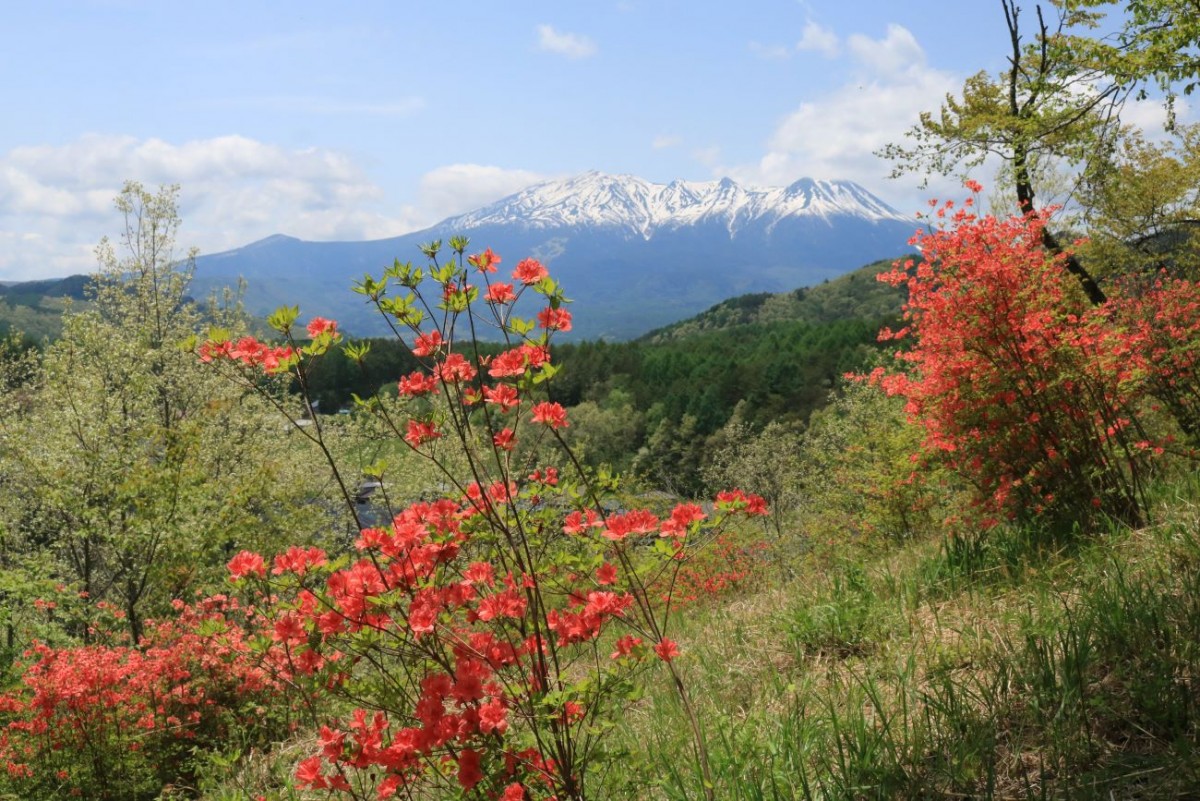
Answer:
(369, 119)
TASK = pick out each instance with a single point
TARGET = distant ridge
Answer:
(632, 254)
(854, 296)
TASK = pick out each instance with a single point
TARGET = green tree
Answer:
(855, 469)
(1143, 214)
(1055, 108)
(766, 463)
(608, 433)
(1158, 45)
(1055, 113)
(133, 470)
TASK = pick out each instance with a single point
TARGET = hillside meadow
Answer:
(962, 563)
(924, 530)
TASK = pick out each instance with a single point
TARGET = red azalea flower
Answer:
(666, 649)
(530, 271)
(550, 414)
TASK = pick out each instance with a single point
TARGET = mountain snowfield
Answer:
(632, 254)
(628, 202)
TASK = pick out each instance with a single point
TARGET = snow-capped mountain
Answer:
(632, 254)
(628, 202)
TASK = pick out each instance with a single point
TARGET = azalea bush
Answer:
(483, 642)
(1030, 393)
(117, 720)
(1164, 314)
(732, 561)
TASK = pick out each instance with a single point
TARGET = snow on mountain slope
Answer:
(636, 255)
(637, 205)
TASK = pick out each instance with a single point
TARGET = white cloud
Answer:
(663, 141)
(814, 37)
(56, 202)
(898, 52)
(819, 38)
(836, 136)
(459, 188)
(1150, 115)
(571, 45)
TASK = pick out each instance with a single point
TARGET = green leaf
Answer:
(520, 325)
(369, 286)
(218, 334)
(357, 351)
(376, 469)
(283, 318)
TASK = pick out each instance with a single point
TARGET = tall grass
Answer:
(1028, 664)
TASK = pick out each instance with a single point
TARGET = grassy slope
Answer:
(1024, 666)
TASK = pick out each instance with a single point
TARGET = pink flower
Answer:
(554, 319)
(419, 433)
(625, 646)
(493, 717)
(606, 574)
(308, 774)
(576, 523)
(504, 439)
(469, 773)
(455, 368)
(427, 344)
(417, 383)
(246, 563)
(500, 293)
(503, 395)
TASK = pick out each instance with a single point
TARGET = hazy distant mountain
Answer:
(633, 255)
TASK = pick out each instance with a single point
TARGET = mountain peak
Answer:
(642, 207)
(634, 254)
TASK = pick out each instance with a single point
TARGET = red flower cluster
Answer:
(118, 704)
(462, 622)
(485, 262)
(500, 293)
(1165, 319)
(1020, 385)
(251, 352)
(319, 325)
(554, 319)
(550, 414)
(726, 564)
(519, 360)
(417, 383)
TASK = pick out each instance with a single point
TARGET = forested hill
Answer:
(856, 295)
(35, 308)
(756, 359)
(654, 404)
